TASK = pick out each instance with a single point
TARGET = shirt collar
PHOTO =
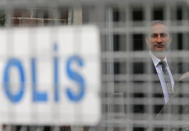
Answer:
(155, 59)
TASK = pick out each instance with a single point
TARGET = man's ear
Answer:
(170, 39)
(147, 42)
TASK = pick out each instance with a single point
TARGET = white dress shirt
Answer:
(161, 75)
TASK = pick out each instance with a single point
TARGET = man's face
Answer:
(158, 39)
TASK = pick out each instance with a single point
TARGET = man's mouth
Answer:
(159, 46)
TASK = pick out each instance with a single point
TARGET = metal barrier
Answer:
(126, 93)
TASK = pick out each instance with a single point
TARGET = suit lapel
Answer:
(157, 93)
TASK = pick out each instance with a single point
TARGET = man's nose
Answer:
(159, 39)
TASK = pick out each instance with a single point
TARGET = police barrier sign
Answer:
(50, 75)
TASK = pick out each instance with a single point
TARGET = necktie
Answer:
(166, 76)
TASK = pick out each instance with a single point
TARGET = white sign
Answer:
(50, 75)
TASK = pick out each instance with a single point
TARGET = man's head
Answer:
(158, 38)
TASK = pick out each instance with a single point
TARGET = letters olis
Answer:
(42, 96)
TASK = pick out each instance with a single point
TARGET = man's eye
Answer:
(154, 35)
(163, 35)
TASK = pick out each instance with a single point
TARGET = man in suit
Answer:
(158, 41)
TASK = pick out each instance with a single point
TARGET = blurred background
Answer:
(123, 26)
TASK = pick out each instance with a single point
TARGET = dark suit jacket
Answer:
(162, 110)
(148, 92)
(152, 96)
(169, 112)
